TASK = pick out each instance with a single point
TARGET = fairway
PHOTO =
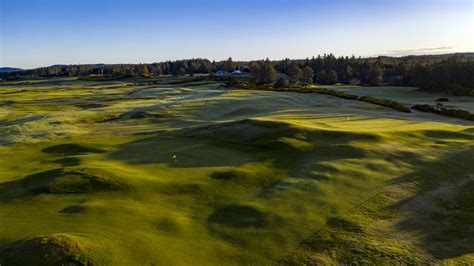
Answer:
(116, 172)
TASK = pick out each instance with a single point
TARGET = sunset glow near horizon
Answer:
(45, 32)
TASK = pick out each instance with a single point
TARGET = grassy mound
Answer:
(80, 180)
(239, 216)
(70, 149)
(343, 242)
(250, 131)
(58, 249)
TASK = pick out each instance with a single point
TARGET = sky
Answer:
(36, 33)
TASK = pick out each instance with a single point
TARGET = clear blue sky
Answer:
(44, 32)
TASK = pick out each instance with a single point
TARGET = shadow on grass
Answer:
(235, 143)
(238, 216)
(70, 149)
(21, 121)
(442, 210)
(439, 215)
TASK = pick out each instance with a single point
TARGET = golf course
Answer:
(168, 171)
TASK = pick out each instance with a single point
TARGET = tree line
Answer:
(453, 73)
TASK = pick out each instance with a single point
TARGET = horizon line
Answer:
(252, 60)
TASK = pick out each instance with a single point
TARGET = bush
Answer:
(232, 82)
(244, 86)
(220, 77)
(188, 80)
(281, 82)
(100, 77)
(458, 90)
(445, 111)
(336, 93)
(442, 100)
(386, 103)
(291, 88)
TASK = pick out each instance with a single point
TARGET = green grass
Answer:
(171, 174)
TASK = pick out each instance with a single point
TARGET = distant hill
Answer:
(9, 69)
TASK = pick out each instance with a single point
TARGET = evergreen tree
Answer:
(348, 73)
(229, 65)
(331, 77)
(268, 73)
(295, 73)
(375, 75)
(143, 70)
(182, 71)
(255, 72)
(321, 77)
(308, 75)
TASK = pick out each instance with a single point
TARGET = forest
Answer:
(447, 73)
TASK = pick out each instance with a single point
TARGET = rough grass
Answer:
(231, 176)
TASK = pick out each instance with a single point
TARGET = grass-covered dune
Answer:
(111, 172)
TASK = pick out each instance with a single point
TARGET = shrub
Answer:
(244, 86)
(232, 82)
(386, 103)
(220, 77)
(188, 80)
(291, 88)
(445, 111)
(336, 93)
(281, 82)
(458, 90)
(100, 77)
(266, 87)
